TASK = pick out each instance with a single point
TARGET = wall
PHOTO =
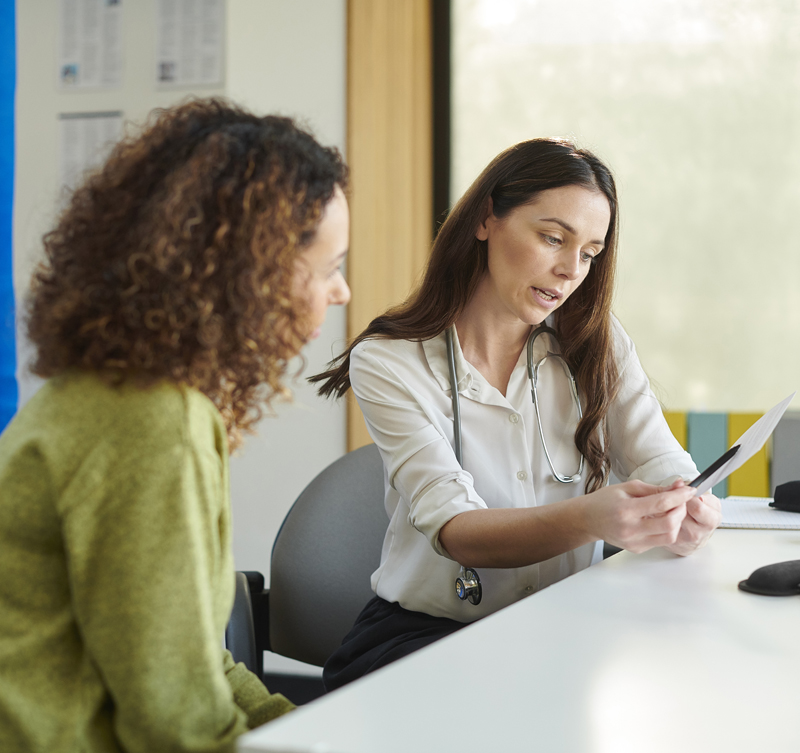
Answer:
(288, 58)
(284, 57)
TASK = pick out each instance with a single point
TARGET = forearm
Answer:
(634, 515)
(516, 537)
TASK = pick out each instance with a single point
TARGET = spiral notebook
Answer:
(755, 512)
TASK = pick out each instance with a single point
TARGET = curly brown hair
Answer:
(175, 259)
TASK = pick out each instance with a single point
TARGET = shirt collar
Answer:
(470, 380)
(436, 354)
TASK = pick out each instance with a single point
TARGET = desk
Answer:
(639, 654)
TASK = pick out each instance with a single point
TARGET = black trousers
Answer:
(383, 633)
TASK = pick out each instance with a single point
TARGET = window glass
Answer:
(695, 105)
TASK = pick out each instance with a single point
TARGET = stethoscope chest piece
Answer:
(468, 586)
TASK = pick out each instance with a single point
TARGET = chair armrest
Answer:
(259, 600)
(239, 633)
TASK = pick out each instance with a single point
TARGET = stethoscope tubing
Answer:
(533, 376)
(468, 583)
(451, 360)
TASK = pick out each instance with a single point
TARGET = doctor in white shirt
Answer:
(532, 243)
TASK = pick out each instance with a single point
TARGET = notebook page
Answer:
(755, 512)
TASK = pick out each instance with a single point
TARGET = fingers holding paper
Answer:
(637, 516)
(703, 516)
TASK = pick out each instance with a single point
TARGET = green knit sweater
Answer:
(116, 575)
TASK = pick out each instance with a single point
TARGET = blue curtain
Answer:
(8, 81)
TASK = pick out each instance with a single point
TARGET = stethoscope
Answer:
(468, 582)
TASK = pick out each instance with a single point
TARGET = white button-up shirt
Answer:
(403, 389)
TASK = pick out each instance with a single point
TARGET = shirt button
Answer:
(529, 589)
(521, 475)
(514, 418)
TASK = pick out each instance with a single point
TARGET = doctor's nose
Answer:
(569, 263)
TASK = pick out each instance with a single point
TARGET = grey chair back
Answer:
(325, 552)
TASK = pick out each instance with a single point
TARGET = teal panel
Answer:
(707, 435)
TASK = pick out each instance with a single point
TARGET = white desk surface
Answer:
(639, 654)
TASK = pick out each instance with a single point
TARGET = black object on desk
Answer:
(787, 497)
(779, 579)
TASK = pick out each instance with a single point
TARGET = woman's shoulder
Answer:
(377, 347)
(399, 361)
(621, 342)
(82, 423)
(91, 406)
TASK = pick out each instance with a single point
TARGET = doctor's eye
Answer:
(551, 240)
(585, 257)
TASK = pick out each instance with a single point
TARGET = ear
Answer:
(482, 233)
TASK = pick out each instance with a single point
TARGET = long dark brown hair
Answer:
(458, 261)
(175, 259)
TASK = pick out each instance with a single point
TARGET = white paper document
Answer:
(189, 45)
(755, 512)
(749, 444)
(91, 48)
(86, 139)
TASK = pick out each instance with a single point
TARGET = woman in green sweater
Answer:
(178, 283)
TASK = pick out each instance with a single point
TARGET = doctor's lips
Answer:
(549, 295)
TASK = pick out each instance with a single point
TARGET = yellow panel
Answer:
(389, 149)
(677, 425)
(752, 479)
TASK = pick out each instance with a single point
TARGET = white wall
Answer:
(39, 102)
(284, 57)
(289, 58)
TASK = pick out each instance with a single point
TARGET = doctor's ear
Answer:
(482, 233)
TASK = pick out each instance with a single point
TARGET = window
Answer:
(695, 105)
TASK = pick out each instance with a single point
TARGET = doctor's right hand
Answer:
(637, 516)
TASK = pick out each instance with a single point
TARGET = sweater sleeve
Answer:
(147, 572)
(251, 696)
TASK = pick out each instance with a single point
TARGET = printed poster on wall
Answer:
(189, 44)
(91, 48)
(86, 138)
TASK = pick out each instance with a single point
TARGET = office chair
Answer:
(324, 554)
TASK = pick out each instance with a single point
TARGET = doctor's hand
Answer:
(703, 515)
(637, 516)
